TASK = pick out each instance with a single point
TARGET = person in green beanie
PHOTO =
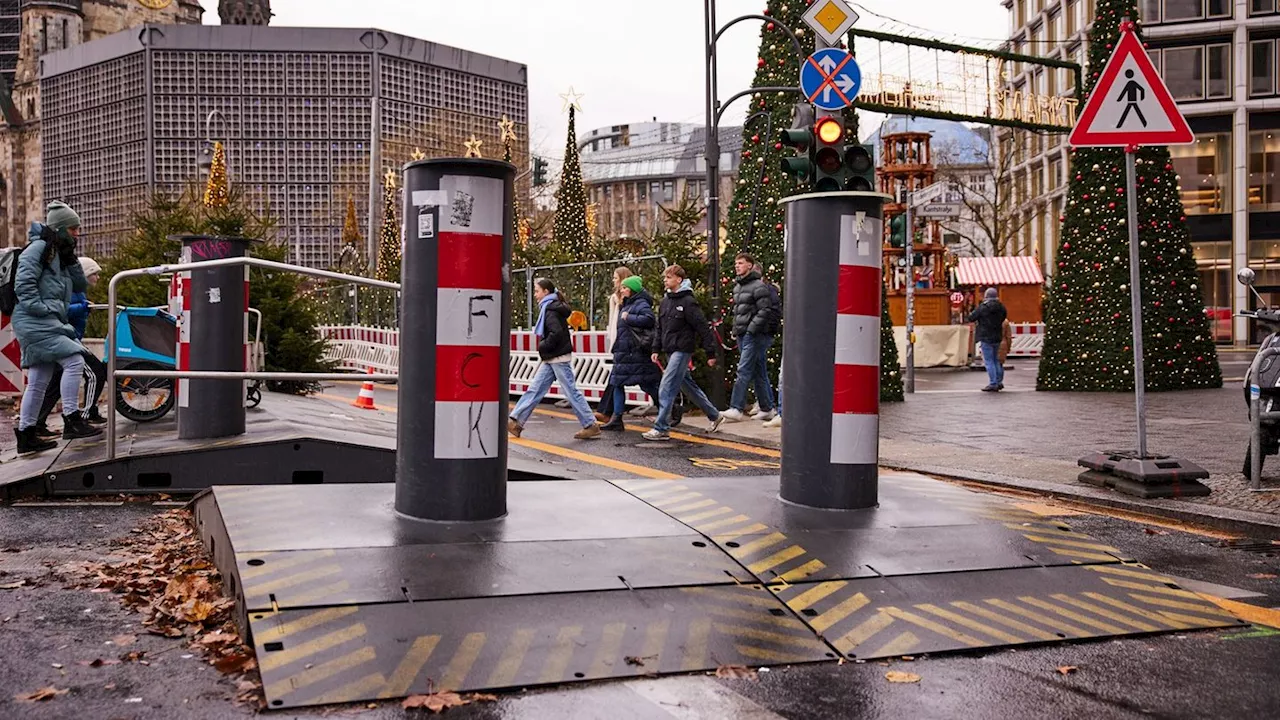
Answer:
(632, 364)
(49, 272)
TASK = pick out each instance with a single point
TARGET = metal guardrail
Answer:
(209, 375)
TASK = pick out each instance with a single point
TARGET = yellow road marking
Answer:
(1042, 619)
(280, 658)
(1082, 555)
(938, 628)
(773, 637)
(773, 656)
(900, 645)
(655, 639)
(559, 657)
(618, 465)
(326, 591)
(292, 580)
(695, 648)
(969, 623)
(776, 559)
(273, 566)
(1117, 617)
(803, 571)
(1192, 607)
(844, 609)
(1269, 617)
(732, 534)
(1006, 621)
(1070, 615)
(1070, 543)
(407, 671)
(708, 527)
(705, 515)
(456, 673)
(710, 442)
(352, 691)
(755, 545)
(691, 506)
(814, 594)
(610, 645)
(512, 658)
(659, 491)
(323, 671)
(1163, 590)
(306, 622)
(676, 499)
(740, 598)
(1135, 610)
(863, 632)
(1045, 510)
(786, 622)
(1141, 575)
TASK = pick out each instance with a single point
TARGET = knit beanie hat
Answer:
(60, 216)
(90, 266)
(633, 283)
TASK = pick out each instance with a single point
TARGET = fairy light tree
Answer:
(1088, 322)
(389, 235)
(571, 235)
(217, 189)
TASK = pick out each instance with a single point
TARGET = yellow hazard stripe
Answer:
(629, 468)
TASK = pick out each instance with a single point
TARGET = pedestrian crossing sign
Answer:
(1130, 106)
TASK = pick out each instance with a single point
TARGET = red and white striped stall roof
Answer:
(983, 271)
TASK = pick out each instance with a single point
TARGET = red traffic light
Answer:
(828, 130)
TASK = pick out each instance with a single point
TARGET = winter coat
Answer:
(681, 325)
(632, 364)
(611, 329)
(756, 308)
(42, 320)
(1006, 340)
(555, 341)
(989, 318)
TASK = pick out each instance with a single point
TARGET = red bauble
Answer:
(746, 153)
(777, 146)
(755, 138)
(759, 62)
(1066, 246)
(1079, 177)
(1111, 206)
(1064, 285)
(1173, 283)
(764, 180)
(778, 227)
(768, 26)
(1085, 196)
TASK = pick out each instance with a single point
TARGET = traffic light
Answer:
(539, 172)
(828, 158)
(861, 164)
(800, 137)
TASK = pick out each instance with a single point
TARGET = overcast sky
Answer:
(632, 59)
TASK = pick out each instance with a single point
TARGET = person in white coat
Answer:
(605, 409)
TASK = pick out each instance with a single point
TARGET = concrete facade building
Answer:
(631, 170)
(1220, 61)
(310, 117)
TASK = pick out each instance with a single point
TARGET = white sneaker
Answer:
(775, 422)
(765, 416)
(732, 415)
(656, 436)
(715, 424)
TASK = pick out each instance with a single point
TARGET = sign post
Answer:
(1131, 107)
(909, 257)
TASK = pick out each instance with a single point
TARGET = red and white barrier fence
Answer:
(12, 379)
(1028, 340)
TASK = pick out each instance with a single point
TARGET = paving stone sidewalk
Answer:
(948, 427)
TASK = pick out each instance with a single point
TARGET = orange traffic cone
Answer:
(365, 401)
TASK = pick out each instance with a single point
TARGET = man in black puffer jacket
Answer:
(757, 314)
(681, 327)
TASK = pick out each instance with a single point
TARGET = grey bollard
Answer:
(213, 335)
(832, 349)
(451, 458)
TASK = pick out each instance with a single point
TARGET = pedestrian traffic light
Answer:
(828, 156)
(861, 164)
(800, 137)
(539, 172)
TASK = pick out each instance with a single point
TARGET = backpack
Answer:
(8, 277)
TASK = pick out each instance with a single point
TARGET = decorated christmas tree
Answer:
(217, 190)
(389, 236)
(1088, 322)
(890, 370)
(571, 237)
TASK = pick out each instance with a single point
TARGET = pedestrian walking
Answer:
(757, 315)
(989, 318)
(48, 274)
(681, 325)
(94, 376)
(633, 350)
(605, 408)
(555, 349)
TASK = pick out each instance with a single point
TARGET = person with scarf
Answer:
(555, 349)
(632, 361)
(681, 325)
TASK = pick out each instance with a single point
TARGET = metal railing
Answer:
(212, 375)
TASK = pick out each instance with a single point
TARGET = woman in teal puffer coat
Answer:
(48, 273)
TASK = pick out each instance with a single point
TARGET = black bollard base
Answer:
(1155, 476)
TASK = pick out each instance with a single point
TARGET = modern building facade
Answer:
(310, 117)
(632, 170)
(1220, 61)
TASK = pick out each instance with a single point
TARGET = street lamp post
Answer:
(205, 160)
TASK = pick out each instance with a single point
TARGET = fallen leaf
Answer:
(236, 662)
(632, 660)
(1263, 576)
(98, 662)
(1153, 531)
(124, 640)
(13, 585)
(1067, 669)
(435, 702)
(132, 656)
(42, 694)
(482, 697)
(897, 676)
(735, 671)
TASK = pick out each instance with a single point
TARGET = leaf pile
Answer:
(440, 701)
(167, 578)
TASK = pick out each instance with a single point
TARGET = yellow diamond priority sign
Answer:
(830, 19)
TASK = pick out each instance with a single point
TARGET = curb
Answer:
(1240, 522)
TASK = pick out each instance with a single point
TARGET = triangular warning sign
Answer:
(1130, 105)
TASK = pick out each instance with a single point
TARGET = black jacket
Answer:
(555, 341)
(631, 362)
(756, 308)
(989, 317)
(681, 325)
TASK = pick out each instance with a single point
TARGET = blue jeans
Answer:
(38, 378)
(620, 396)
(561, 374)
(753, 367)
(991, 358)
(674, 379)
(779, 387)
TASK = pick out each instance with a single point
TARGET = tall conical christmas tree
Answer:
(217, 189)
(1088, 322)
(351, 250)
(890, 370)
(389, 237)
(571, 235)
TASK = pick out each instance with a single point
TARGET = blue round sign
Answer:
(830, 79)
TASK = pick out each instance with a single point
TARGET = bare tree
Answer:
(992, 220)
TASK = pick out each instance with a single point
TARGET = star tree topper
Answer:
(571, 100)
(473, 147)
(508, 128)
(390, 178)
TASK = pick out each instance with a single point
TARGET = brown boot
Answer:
(514, 427)
(588, 433)
(601, 417)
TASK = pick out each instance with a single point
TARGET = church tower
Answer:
(245, 12)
